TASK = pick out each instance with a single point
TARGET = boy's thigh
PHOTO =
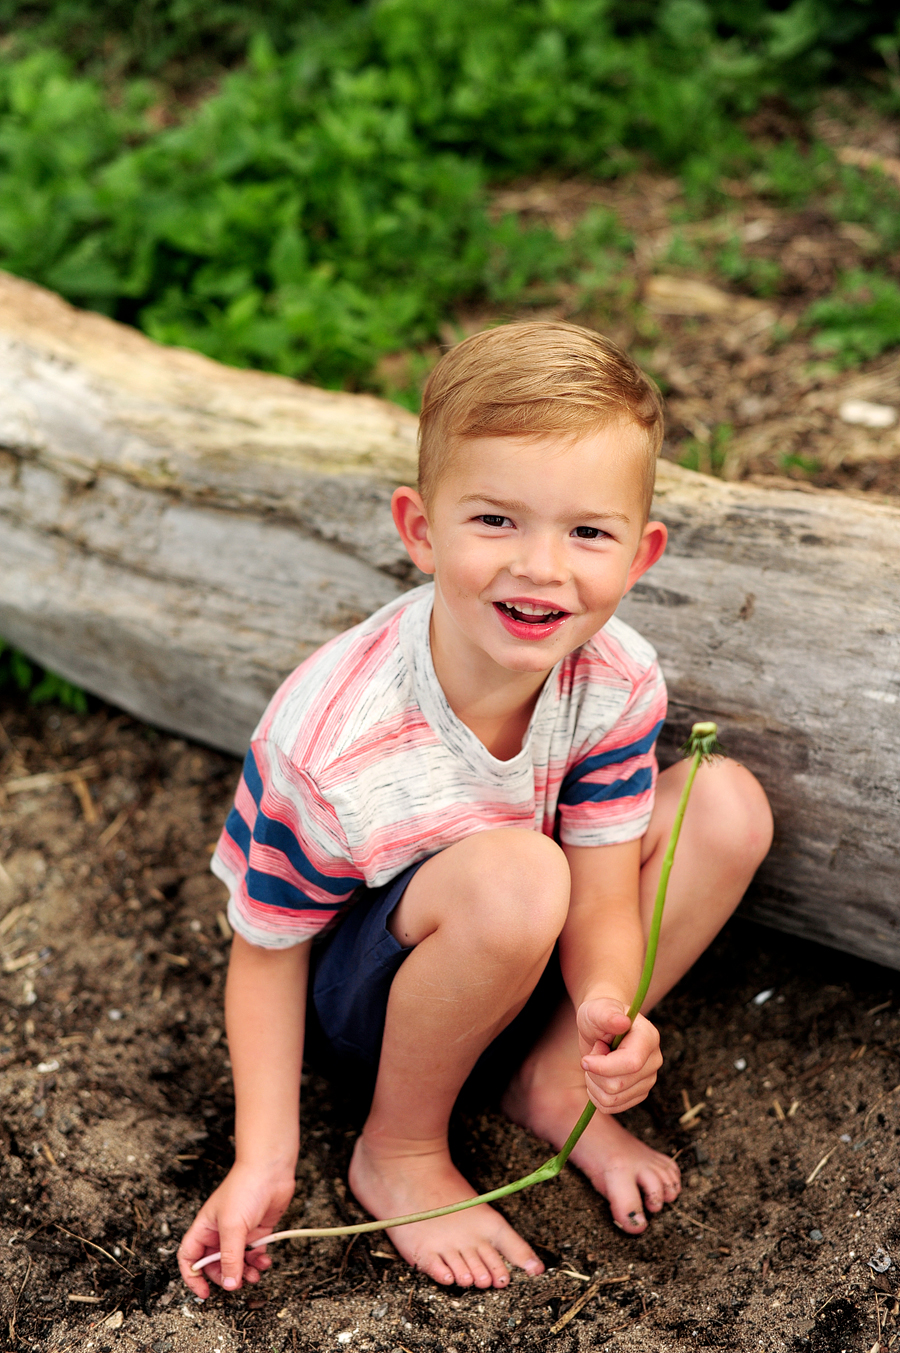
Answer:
(352, 969)
(351, 973)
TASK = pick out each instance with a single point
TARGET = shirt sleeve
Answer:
(282, 854)
(607, 793)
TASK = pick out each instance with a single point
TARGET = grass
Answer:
(859, 320)
(42, 687)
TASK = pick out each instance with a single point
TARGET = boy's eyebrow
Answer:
(514, 505)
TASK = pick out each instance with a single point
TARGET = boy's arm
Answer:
(265, 1004)
(601, 951)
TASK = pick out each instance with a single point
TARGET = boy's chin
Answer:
(540, 658)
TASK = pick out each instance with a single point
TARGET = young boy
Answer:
(465, 785)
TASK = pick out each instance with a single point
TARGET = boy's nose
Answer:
(541, 560)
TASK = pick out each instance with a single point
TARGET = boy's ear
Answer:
(411, 521)
(653, 543)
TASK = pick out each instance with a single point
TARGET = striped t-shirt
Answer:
(359, 768)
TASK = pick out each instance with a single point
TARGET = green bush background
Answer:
(326, 204)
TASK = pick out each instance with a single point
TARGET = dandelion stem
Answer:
(701, 746)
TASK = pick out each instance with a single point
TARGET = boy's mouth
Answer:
(527, 613)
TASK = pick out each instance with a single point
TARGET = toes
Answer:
(459, 1266)
(438, 1269)
(496, 1267)
(518, 1252)
(660, 1183)
(627, 1208)
(481, 1275)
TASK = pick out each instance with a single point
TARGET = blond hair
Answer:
(521, 380)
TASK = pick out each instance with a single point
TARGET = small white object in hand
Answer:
(867, 415)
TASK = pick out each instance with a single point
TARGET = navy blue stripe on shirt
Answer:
(611, 758)
(636, 784)
(270, 832)
(275, 892)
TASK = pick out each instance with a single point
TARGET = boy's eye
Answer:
(588, 532)
(490, 519)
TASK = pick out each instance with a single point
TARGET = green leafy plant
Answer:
(859, 320)
(42, 686)
(327, 204)
(708, 457)
(702, 745)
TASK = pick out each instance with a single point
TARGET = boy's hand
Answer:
(246, 1205)
(616, 1080)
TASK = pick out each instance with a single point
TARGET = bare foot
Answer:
(465, 1248)
(629, 1174)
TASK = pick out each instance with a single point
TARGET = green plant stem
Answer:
(701, 746)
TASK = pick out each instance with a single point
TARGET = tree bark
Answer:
(176, 536)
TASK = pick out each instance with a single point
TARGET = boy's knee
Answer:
(736, 813)
(520, 890)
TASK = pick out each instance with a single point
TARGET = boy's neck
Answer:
(496, 705)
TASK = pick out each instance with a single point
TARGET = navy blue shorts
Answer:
(352, 969)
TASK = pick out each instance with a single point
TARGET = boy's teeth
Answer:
(528, 609)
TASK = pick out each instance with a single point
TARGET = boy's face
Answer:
(533, 543)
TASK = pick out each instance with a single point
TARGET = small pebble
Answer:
(867, 415)
(380, 1311)
(741, 1064)
(762, 996)
(114, 1014)
(816, 1236)
(880, 1261)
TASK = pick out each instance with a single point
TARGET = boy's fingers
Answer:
(189, 1251)
(233, 1241)
(620, 1064)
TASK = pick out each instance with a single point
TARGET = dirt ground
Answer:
(117, 1113)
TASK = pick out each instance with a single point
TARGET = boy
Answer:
(467, 782)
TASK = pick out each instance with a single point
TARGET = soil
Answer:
(779, 1094)
(117, 1114)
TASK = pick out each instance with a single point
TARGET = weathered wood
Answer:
(777, 614)
(176, 536)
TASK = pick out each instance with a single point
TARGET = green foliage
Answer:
(859, 320)
(43, 687)
(707, 456)
(760, 276)
(328, 204)
(868, 198)
(146, 35)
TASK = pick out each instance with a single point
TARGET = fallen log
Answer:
(176, 535)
